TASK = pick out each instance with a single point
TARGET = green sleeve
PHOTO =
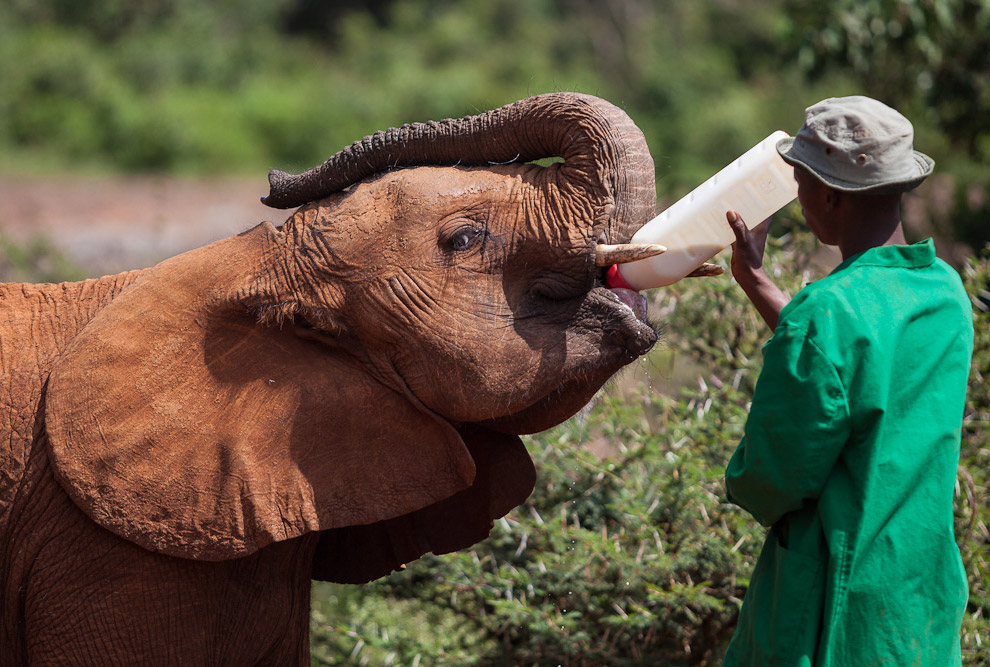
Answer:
(797, 426)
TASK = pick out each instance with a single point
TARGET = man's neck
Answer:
(870, 221)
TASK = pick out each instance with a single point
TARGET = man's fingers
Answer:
(737, 225)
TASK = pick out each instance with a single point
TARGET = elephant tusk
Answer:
(607, 255)
(706, 270)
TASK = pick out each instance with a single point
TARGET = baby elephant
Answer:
(186, 446)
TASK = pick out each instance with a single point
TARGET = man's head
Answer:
(857, 145)
(853, 158)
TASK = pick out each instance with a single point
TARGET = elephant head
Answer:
(364, 370)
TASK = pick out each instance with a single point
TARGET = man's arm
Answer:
(798, 424)
(747, 269)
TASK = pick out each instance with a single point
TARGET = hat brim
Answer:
(923, 164)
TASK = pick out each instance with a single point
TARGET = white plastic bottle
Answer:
(694, 229)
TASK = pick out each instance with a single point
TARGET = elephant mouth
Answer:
(624, 321)
(632, 300)
(621, 333)
(628, 298)
(607, 259)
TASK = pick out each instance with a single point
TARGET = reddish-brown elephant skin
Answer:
(188, 445)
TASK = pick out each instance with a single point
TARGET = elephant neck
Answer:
(55, 314)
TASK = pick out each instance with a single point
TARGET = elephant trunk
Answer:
(603, 151)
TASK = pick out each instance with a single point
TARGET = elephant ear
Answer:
(178, 422)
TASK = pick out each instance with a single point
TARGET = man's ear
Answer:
(178, 422)
(833, 198)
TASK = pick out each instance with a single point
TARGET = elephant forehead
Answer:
(469, 182)
(434, 191)
(508, 194)
(524, 204)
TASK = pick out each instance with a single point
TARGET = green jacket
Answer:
(850, 454)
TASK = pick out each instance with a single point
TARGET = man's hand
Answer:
(747, 251)
(747, 268)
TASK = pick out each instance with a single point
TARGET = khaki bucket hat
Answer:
(857, 144)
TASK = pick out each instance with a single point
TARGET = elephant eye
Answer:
(464, 238)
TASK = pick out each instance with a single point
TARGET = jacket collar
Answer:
(914, 256)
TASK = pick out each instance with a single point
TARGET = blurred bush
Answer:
(34, 261)
(973, 492)
(907, 52)
(929, 59)
(246, 85)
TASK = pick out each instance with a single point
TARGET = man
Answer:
(852, 442)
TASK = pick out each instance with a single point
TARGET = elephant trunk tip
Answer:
(278, 183)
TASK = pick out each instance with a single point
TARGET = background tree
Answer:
(905, 51)
(929, 57)
(241, 86)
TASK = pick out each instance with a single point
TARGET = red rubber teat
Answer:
(614, 279)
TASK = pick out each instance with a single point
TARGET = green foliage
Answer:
(35, 261)
(973, 495)
(903, 49)
(350, 627)
(246, 85)
(177, 85)
(178, 97)
(928, 58)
